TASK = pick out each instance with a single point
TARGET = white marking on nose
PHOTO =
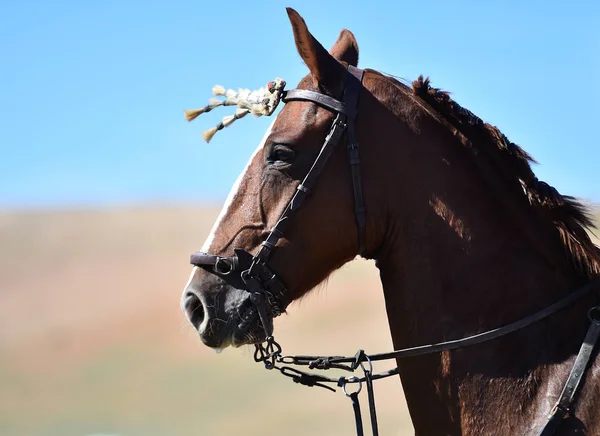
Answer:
(233, 193)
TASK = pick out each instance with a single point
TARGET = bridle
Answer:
(267, 292)
(269, 298)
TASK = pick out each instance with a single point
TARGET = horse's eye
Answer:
(281, 153)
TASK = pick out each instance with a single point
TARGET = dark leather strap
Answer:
(468, 341)
(201, 258)
(357, 416)
(351, 95)
(326, 101)
(562, 408)
(220, 265)
(371, 395)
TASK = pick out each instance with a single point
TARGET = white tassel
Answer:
(245, 104)
(215, 102)
(241, 113)
(243, 94)
(256, 110)
(208, 134)
(260, 102)
(228, 120)
(232, 101)
(218, 90)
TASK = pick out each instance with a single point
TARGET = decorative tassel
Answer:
(215, 102)
(218, 90)
(261, 102)
(241, 113)
(208, 134)
(228, 120)
(245, 104)
(256, 111)
(231, 101)
(193, 113)
(243, 93)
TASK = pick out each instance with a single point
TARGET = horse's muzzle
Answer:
(222, 314)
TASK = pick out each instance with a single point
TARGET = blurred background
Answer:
(105, 191)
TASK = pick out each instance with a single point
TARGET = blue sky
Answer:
(92, 93)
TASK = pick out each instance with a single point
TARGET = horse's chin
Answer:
(247, 336)
(239, 338)
(235, 341)
(249, 330)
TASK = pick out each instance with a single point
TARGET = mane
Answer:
(569, 217)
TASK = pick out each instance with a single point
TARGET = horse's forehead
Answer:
(295, 114)
(299, 117)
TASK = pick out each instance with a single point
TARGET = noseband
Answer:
(251, 272)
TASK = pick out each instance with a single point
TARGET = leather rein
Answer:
(269, 299)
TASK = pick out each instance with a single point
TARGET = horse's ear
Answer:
(327, 72)
(345, 48)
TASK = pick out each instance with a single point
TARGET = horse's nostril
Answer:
(194, 310)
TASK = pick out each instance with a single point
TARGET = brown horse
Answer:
(466, 239)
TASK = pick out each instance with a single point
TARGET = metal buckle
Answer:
(563, 411)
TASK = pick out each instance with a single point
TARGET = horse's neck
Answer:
(449, 276)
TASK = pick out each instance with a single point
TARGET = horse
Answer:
(465, 237)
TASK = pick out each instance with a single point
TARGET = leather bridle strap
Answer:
(353, 90)
(346, 110)
(562, 408)
(458, 343)
(349, 108)
(323, 100)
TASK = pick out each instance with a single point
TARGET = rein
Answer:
(271, 356)
(269, 298)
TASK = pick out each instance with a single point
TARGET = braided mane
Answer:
(569, 217)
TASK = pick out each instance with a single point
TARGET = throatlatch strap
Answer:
(351, 95)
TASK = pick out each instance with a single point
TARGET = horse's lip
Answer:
(239, 338)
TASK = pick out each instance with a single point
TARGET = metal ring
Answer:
(352, 379)
(222, 260)
(594, 314)
(362, 366)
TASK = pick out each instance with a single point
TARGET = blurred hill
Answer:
(92, 340)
